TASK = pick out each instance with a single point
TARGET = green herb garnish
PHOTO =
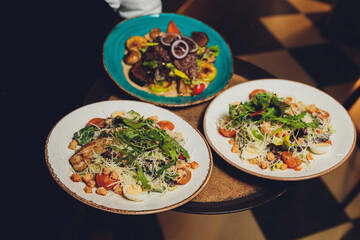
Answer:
(268, 107)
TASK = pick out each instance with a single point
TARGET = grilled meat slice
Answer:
(188, 65)
(82, 158)
(158, 53)
(139, 75)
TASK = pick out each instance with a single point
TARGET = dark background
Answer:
(53, 57)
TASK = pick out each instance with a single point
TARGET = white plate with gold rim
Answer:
(57, 156)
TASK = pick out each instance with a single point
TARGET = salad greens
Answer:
(85, 135)
(276, 133)
(128, 151)
(268, 107)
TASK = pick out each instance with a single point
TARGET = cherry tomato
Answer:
(256, 91)
(292, 162)
(198, 89)
(227, 133)
(172, 28)
(97, 122)
(166, 124)
(105, 181)
(186, 177)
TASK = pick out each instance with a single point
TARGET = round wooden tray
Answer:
(229, 189)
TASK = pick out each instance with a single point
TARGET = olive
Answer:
(132, 57)
(155, 33)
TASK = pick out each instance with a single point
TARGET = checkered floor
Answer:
(284, 38)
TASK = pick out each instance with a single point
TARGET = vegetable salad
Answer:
(276, 133)
(130, 155)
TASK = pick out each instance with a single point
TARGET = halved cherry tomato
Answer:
(166, 124)
(97, 122)
(105, 181)
(186, 177)
(172, 28)
(256, 91)
(227, 133)
(198, 89)
(292, 162)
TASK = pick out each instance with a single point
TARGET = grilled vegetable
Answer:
(154, 33)
(132, 57)
(207, 71)
(136, 42)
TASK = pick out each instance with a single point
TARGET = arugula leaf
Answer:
(279, 105)
(130, 135)
(261, 101)
(133, 124)
(161, 170)
(144, 181)
(269, 112)
(300, 116)
(169, 150)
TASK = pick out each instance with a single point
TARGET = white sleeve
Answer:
(114, 4)
(134, 8)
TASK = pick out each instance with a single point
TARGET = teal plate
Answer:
(114, 49)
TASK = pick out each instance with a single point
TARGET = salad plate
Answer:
(115, 46)
(57, 156)
(342, 138)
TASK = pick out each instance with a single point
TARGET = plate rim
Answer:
(122, 211)
(276, 177)
(167, 104)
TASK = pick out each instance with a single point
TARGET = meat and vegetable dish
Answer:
(171, 64)
(276, 133)
(130, 155)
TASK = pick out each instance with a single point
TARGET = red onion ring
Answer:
(176, 44)
(166, 35)
(193, 42)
